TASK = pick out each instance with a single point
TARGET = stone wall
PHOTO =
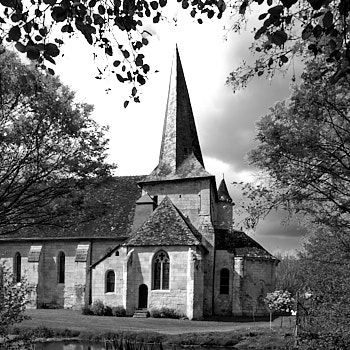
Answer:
(41, 271)
(179, 296)
(113, 263)
(223, 302)
(259, 279)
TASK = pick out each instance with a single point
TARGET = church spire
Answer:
(180, 152)
(179, 134)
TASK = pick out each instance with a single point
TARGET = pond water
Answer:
(70, 345)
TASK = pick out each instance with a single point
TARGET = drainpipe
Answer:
(90, 275)
(213, 286)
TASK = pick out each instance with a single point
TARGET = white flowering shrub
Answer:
(279, 301)
(13, 300)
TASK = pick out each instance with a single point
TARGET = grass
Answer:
(239, 335)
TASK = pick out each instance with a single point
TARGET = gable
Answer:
(166, 226)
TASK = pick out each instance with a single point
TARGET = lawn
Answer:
(220, 332)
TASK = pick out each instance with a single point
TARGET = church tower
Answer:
(180, 173)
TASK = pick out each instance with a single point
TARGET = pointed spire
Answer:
(180, 152)
(223, 194)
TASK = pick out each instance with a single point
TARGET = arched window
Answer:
(17, 262)
(224, 281)
(110, 281)
(161, 268)
(61, 264)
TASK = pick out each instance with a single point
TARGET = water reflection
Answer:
(69, 345)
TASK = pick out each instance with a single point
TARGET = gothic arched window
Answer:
(161, 268)
(17, 262)
(61, 264)
(110, 281)
(224, 281)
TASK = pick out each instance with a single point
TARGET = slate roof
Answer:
(240, 244)
(166, 226)
(223, 195)
(106, 210)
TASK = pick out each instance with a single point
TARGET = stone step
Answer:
(141, 313)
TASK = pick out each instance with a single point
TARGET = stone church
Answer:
(164, 240)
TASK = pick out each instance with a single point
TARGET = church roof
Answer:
(167, 227)
(240, 244)
(180, 153)
(223, 195)
(106, 210)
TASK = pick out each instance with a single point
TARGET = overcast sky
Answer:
(225, 121)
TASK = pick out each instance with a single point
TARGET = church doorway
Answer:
(143, 296)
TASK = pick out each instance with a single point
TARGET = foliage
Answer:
(98, 308)
(289, 275)
(118, 31)
(303, 153)
(279, 301)
(13, 302)
(49, 146)
(165, 312)
(325, 263)
(118, 311)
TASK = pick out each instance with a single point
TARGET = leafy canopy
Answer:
(303, 152)
(49, 146)
(117, 29)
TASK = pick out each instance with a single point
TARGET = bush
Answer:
(165, 312)
(98, 308)
(118, 311)
(86, 310)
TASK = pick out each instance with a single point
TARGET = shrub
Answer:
(86, 310)
(118, 311)
(155, 313)
(97, 308)
(107, 311)
(165, 312)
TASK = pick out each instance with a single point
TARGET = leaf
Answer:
(126, 103)
(144, 41)
(116, 63)
(327, 19)
(51, 71)
(134, 91)
(276, 10)
(20, 47)
(262, 16)
(49, 2)
(162, 3)
(52, 50)
(141, 80)
(284, 59)
(8, 3)
(126, 53)
(101, 10)
(15, 33)
(33, 53)
(156, 18)
(317, 31)
(279, 37)
(260, 32)
(120, 78)
(185, 4)
(288, 3)
(243, 7)
(109, 50)
(154, 5)
(307, 32)
(139, 60)
(316, 4)
(59, 14)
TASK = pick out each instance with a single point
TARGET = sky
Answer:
(225, 121)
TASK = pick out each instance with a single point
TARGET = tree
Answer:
(289, 28)
(303, 152)
(325, 263)
(49, 146)
(288, 274)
